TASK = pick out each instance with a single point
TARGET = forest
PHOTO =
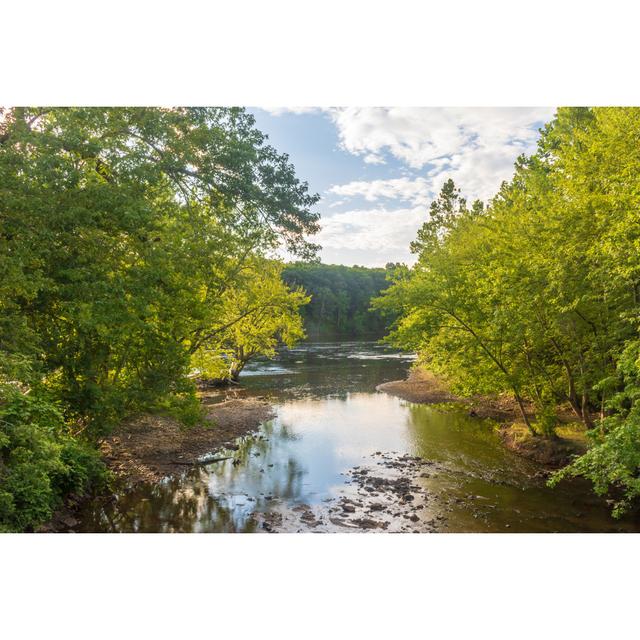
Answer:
(340, 299)
(536, 293)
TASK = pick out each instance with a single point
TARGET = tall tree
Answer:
(538, 293)
(120, 229)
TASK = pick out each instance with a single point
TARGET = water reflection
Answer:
(329, 419)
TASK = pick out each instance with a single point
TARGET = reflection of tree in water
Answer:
(287, 483)
(470, 446)
(266, 466)
(185, 503)
(176, 505)
(285, 432)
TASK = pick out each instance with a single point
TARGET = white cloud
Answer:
(369, 237)
(475, 146)
(416, 191)
(373, 158)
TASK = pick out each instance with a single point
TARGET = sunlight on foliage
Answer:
(537, 293)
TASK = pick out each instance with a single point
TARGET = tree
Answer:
(255, 319)
(120, 229)
(538, 293)
(123, 233)
(340, 298)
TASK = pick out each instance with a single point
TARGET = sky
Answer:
(377, 168)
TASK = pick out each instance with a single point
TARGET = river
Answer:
(305, 469)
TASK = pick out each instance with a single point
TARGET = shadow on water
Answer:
(329, 418)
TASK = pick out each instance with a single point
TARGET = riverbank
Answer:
(423, 387)
(153, 447)
(570, 441)
(339, 457)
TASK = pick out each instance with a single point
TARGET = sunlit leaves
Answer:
(539, 293)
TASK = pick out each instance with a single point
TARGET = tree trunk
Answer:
(235, 369)
(573, 396)
(523, 413)
(586, 417)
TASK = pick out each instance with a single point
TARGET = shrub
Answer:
(40, 461)
(185, 407)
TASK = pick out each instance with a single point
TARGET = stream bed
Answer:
(340, 456)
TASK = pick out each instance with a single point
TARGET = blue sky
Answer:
(376, 169)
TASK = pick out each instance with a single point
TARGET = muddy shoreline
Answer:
(423, 387)
(152, 447)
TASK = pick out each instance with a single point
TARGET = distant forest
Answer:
(340, 299)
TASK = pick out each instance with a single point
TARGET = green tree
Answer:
(123, 231)
(340, 298)
(119, 231)
(537, 294)
(255, 319)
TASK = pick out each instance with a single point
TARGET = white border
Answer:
(334, 52)
(306, 586)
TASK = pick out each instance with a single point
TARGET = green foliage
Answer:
(546, 418)
(184, 407)
(340, 298)
(613, 461)
(538, 293)
(124, 234)
(40, 461)
(254, 319)
(120, 231)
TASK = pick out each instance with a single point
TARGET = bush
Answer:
(613, 461)
(40, 462)
(546, 419)
(185, 407)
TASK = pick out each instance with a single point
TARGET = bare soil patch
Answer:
(421, 386)
(151, 447)
(424, 387)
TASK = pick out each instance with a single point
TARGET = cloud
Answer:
(416, 191)
(373, 158)
(370, 237)
(475, 146)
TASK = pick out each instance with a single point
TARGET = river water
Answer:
(298, 471)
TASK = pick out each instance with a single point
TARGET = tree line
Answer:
(341, 297)
(537, 292)
(134, 249)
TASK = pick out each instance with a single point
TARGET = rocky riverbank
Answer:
(388, 492)
(152, 447)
